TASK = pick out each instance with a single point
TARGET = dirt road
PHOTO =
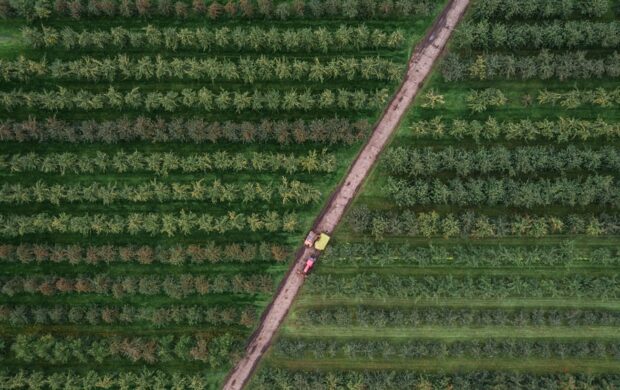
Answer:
(420, 66)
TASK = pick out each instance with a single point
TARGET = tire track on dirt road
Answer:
(420, 65)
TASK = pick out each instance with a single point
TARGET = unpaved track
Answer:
(420, 66)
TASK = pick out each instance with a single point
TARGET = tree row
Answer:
(93, 314)
(246, 70)
(544, 66)
(154, 224)
(209, 252)
(540, 9)
(214, 351)
(202, 99)
(476, 225)
(436, 349)
(146, 379)
(582, 192)
(565, 254)
(216, 10)
(373, 285)
(480, 100)
(240, 38)
(575, 98)
(268, 378)
(572, 34)
(516, 161)
(162, 163)
(376, 317)
(196, 130)
(284, 192)
(561, 130)
(177, 287)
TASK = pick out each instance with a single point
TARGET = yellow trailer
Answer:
(321, 243)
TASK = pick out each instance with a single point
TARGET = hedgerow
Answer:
(420, 349)
(377, 317)
(204, 99)
(207, 252)
(477, 225)
(162, 163)
(177, 287)
(566, 254)
(240, 38)
(154, 224)
(561, 130)
(93, 314)
(215, 351)
(214, 10)
(575, 98)
(540, 9)
(374, 285)
(480, 100)
(583, 191)
(284, 192)
(144, 379)
(514, 161)
(545, 65)
(197, 130)
(572, 34)
(269, 378)
(247, 70)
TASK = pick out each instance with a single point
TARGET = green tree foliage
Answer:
(158, 317)
(521, 160)
(481, 100)
(145, 378)
(474, 225)
(517, 161)
(269, 378)
(487, 35)
(567, 254)
(207, 253)
(246, 69)
(240, 38)
(182, 223)
(561, 130)
(420, 349)
(196, 130)
(371, 316)
(286, 191)
(584, 191)
(227, 10)
(201, 99)
(477, 286)
(177, 287)
(544, 65)
(540, 9)
(60, 350)
(576, 98)
(162, 163)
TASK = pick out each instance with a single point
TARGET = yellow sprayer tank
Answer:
(321, 243)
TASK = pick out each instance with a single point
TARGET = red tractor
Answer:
(309, 264)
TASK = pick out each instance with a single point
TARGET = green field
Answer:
(160, 163)
(483, 250)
